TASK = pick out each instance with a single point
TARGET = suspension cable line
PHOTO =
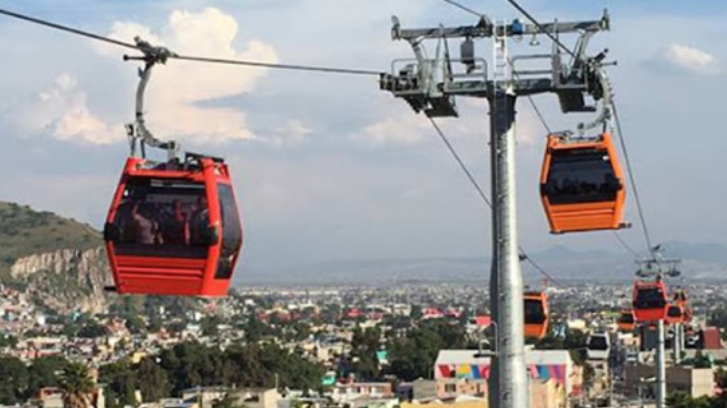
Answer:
(189, 58)
(626, 246)
(463, 7)
(451, 149)
(67, 29)
(277, 66)
(523, 255)
(539, 114)
(542, 30)
(639, 207)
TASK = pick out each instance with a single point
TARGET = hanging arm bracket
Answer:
(138, 130)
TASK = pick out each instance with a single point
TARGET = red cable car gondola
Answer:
(581, 184)
(537, 318)
(174, 229)
(650, 300)
(675, 314)
(626, 320)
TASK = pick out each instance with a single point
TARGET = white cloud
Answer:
(175, 93)
(407, 129)
(293, 133)
(690, 59)
(176, 89)
(61, 110)
(404, 127)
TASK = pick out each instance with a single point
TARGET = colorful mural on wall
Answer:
(542, 373)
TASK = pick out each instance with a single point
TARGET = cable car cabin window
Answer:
(162, 218)
(649, 298)
(534, 313)
(674, 311)
(626, 318)
(598, 343)
(231, 232)
(581, 176)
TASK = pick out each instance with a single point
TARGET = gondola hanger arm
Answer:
(152, 55)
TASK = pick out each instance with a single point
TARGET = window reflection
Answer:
(231, 232)
(650, 298)
(163, 218)
(534, 313)
(581, 176)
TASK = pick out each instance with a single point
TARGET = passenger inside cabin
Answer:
(199, 222)
(145, 227)
(176, 225)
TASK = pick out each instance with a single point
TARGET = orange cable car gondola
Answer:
(674, 314)
(173, 227)
(626, 320)
(680, 297)
(582, 184)
(650, 300)
(537, 316)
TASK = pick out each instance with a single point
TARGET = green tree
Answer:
(254, 329)
(364, 345)
(413, 356)
(302, 330)
(43, 373)
(121, 384)
(177, 326)
(134, 323)
(13, 380)
(155, 323)
(92, 330)
(8, 341)
(153, 381)
(76, 385)
(682, 400)
(209, 325)
(416, 312)
(721, 380)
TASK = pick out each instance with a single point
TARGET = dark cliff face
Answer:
(59, 262)
(65, 280)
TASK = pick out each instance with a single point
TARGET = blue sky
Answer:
(329, 167)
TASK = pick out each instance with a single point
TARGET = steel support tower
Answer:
(430, 85)
(658, 268)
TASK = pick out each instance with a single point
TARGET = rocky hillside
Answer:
(59, 262)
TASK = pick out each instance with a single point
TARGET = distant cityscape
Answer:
(378, 346)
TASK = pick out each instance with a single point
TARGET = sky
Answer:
(327, 166)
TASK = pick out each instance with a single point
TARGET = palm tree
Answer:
(76, 385)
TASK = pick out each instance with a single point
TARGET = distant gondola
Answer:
(626, 320)
(680, 296)
(675, 314)
(598, 346)
(536, 315)
(650, 300)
